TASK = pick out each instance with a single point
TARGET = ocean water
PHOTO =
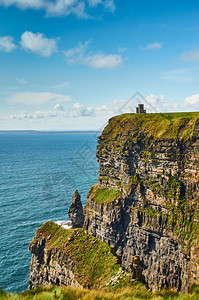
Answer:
(38, 175)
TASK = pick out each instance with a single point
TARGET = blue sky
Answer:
(68, 64)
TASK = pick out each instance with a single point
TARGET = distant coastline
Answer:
(47, 132)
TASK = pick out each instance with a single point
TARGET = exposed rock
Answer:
(75, 212)
(50, 268)
(145, 205)
(61, 257)
(156, 169)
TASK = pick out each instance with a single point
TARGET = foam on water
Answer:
(64, 224)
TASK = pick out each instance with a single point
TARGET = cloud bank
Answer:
(54, 8)
(77, 113)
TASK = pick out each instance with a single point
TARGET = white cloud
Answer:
(30, 98)
(80, 117)
(7, 44)
(23, 115)
(190, 56)
(66, 7)
(61, 7)
(24, 4)
(152, 46)
(79, 110)
(160, 104)
(102, 61)
(59, 107)
(108, 4)
(94, 2)
(79, 55)
(58, 113)
(38, 43)
(153, 104)
(193, 100)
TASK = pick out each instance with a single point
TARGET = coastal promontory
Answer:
(141, 216)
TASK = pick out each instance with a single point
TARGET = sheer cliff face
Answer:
(50, 265)
(152, 162)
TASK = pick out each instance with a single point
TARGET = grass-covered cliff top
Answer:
(180, 126)
(94, 261)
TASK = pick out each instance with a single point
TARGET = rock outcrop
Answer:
(75, 212)
(151, 162)
(72, 257)
(144, 206)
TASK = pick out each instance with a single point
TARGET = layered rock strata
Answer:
(73, 257)
(153, 161)
(75, 212)
(144, 206)
(50, 266)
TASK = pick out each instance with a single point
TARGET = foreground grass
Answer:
(136, 292)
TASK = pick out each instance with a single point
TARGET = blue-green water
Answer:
(38, 176)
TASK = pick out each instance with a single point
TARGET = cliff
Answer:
(144, 207)
(145, 203)
(72, 257)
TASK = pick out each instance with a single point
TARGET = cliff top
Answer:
(180, 126)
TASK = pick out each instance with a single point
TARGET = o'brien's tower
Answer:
(140, 109)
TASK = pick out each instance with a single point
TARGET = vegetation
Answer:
(182, 216)
(95, 262)
(104, 195)
(163, 126)
(136, 292)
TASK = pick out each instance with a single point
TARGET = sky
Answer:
(71, 65)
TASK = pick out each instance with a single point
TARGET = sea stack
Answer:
(75, 212)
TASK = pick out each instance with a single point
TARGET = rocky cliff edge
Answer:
(144, 205)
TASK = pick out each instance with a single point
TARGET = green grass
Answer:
(135, 292)
(94, 260)
(104, 195)
(95, 265)
(160, 126)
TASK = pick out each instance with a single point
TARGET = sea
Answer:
(39, 172)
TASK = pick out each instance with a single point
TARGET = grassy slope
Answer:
(164, 126)
(95, 263)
